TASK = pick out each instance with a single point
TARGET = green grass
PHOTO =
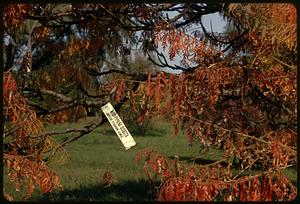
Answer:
(101, 150)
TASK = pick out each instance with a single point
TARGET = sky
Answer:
(210, 20)
(218, 23)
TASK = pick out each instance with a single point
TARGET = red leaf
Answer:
(148, 88)
(120, 90)
(157, 93)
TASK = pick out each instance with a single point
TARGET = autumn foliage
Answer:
(24, 161)
(242, 104)
(211, 182)
(14, 15)
(223, 106)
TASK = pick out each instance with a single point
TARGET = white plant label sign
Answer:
(118, 126)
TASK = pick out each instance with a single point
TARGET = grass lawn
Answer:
(101, 150)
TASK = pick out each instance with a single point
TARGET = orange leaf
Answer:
(148, 88)
(120, 90)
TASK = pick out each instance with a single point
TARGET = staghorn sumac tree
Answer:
(235, 91)
(247, 108)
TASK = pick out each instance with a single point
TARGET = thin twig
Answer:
(214, 163)
(276, 59)
(244, 169)
(245, 135)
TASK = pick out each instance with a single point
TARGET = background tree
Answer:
(236, 91)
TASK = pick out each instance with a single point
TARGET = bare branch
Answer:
(62, 97)
(165, 63)
(94, 72)
(91, 127)
(68, 102)
(86, 130)
(230, 43)
(82, 131)
(294, 151)
(66, 99)
(290, 66)
(85, 92)
(55, 110)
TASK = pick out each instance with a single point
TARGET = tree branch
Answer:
(62, 97)
(94, 72)
(81, 16)
(91, 127)
(294, 151)
(69, 102)
(231, 43)
(165, 63)
(201, 10)
(85, 92)
(86, 130)
(66, 99)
